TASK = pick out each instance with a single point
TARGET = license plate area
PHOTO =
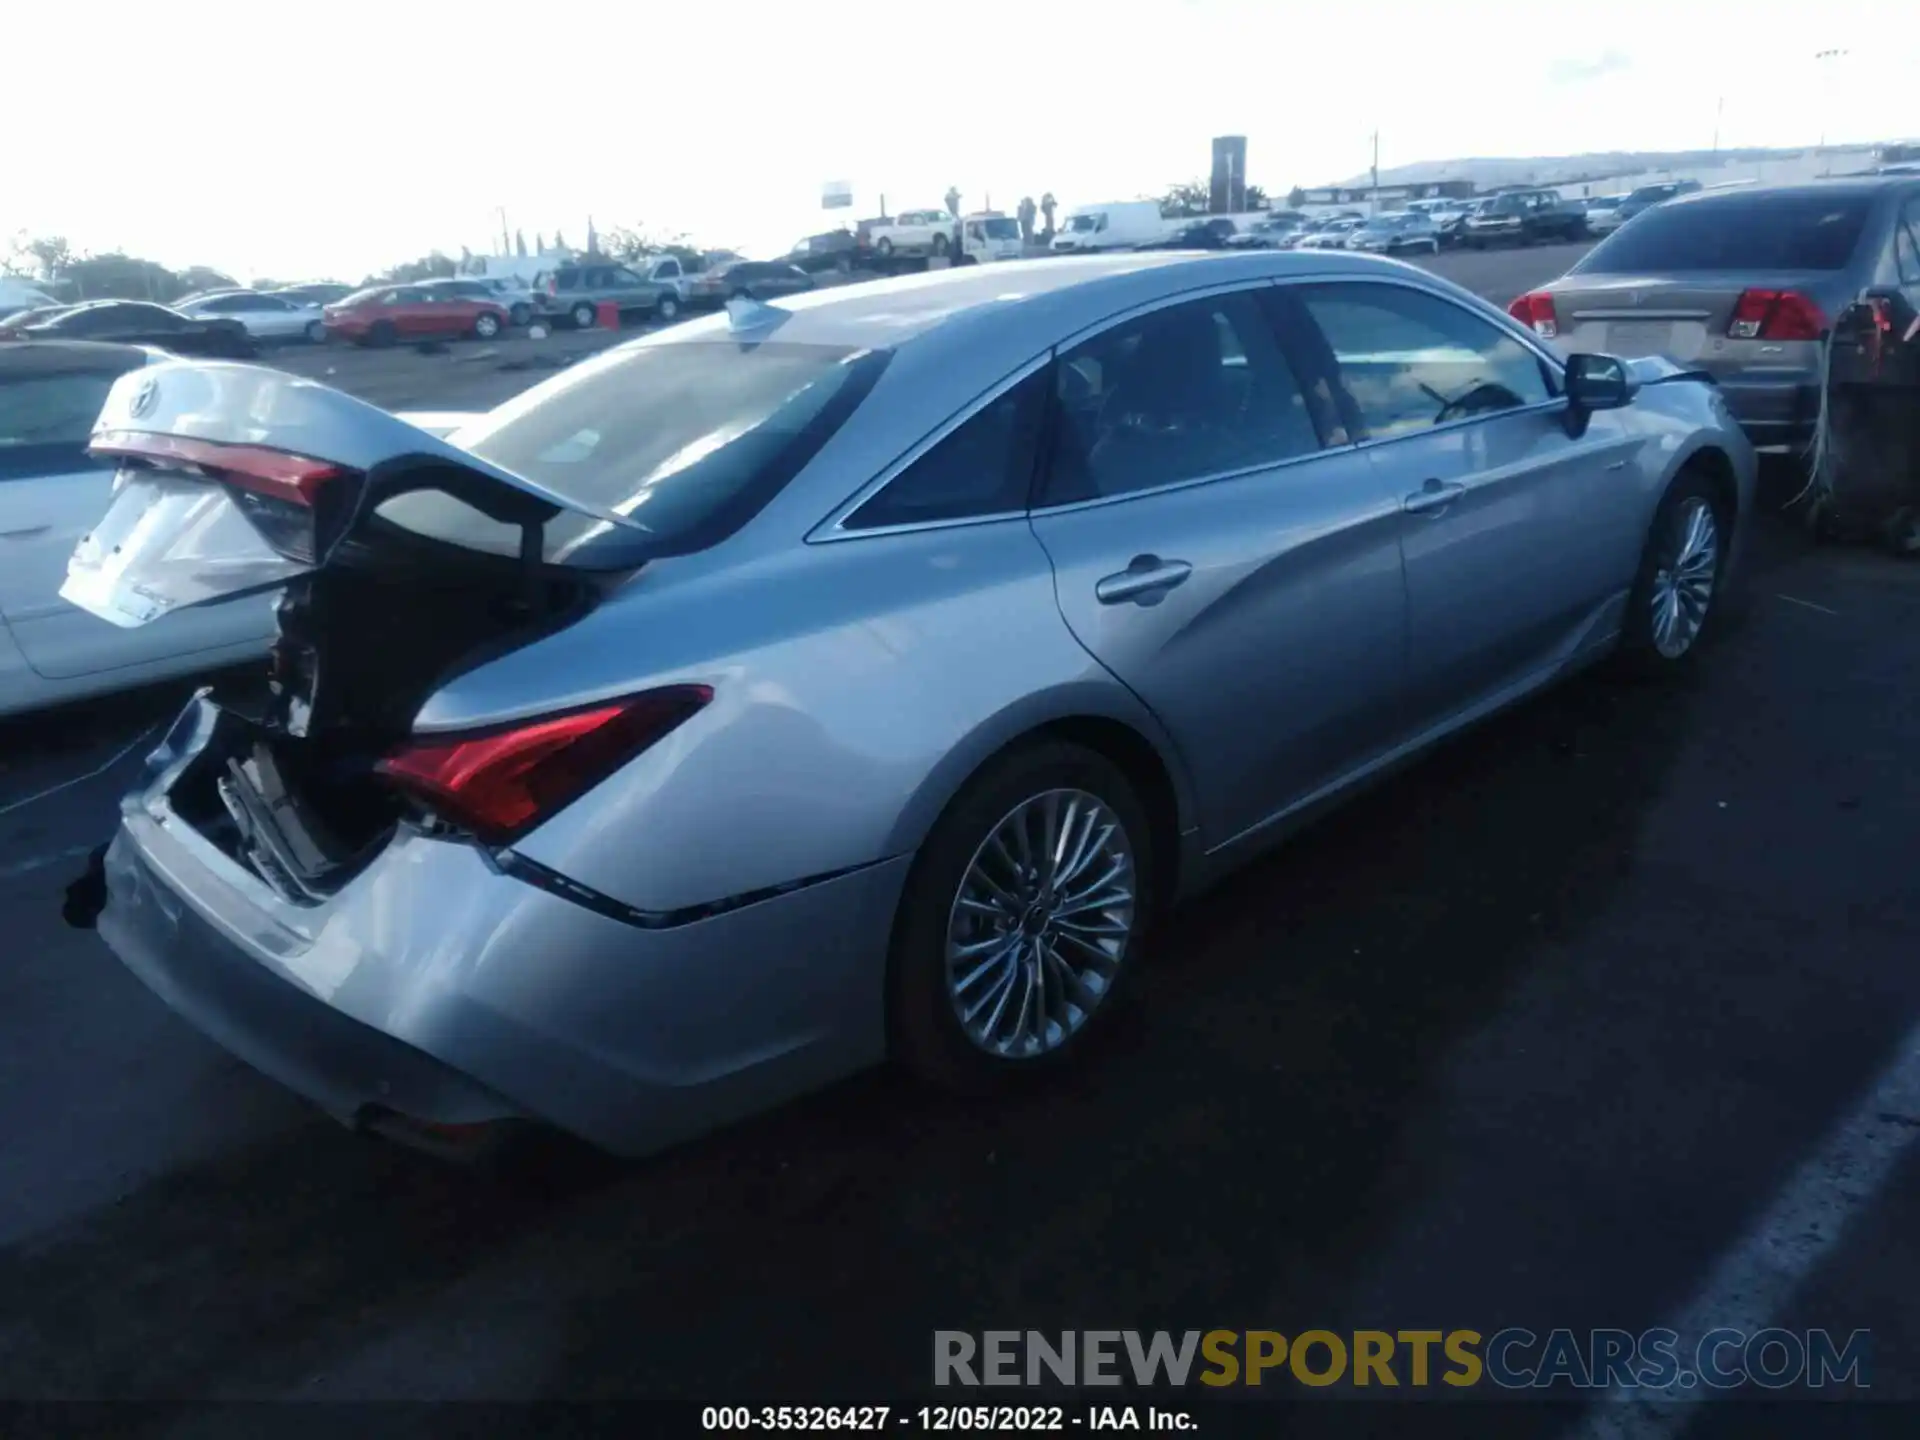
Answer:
(1640, 337)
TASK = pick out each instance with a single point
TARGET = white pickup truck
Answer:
(911, 232)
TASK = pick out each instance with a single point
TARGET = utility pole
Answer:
(1719, 109)
(1820, 56)
(1374, 203)
(506, 240)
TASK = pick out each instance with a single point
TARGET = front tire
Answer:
(1676, 594)
(316, 332)
(521, 313)
(1026, 910)
(884, 248)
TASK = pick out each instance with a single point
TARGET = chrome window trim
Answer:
(834, 527)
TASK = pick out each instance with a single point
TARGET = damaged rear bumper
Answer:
(437, 991)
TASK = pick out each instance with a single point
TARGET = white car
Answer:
(265, 317)
(1333, 236)
(51, 494)
(912, 232)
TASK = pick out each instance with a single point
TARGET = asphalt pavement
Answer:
(1560, 1028)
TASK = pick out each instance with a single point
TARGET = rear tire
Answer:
(520, 314)
(1080, 975)
(316, 333)
(884, 248)
(583, 316)
(667, 310)
(941, 245)
(381, 334)
(1676, 600)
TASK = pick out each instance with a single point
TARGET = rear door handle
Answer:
(1434, 495)
(1145, 579)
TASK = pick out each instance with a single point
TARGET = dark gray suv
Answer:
(576, 291)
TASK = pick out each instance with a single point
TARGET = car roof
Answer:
(1060, 294)
(1851, 187)
(68, 357)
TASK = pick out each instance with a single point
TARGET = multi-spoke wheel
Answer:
(1024, 913)
(1675, 594)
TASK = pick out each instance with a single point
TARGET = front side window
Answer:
(1192, 390)
(1410, 360)
(984, 467)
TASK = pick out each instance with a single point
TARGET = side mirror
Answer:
(1598, 382)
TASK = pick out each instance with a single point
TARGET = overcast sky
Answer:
(295, 139)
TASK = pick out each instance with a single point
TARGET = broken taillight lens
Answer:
(502, 782)
(1776, 315)
(276, 474)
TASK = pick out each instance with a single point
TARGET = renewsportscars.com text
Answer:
(1509, 1359)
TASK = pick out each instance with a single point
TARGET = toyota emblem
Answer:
(144, 398)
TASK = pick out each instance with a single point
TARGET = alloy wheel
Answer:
(1043, 919)
(1687, 568)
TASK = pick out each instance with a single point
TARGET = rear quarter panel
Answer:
(857, 684)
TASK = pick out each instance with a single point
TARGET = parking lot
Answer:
(1603, 1016)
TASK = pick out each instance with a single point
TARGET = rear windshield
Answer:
(1748, 232)
(690, 440)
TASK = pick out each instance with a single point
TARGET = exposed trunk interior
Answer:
(287, 785)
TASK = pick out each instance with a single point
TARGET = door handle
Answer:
(1146, 579)
(1434, 495)
(25, 533)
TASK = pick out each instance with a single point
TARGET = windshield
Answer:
(1083, 223)
(1786, 231)
(688, 440)
(1000, 229)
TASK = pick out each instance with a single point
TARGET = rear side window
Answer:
(1180, 393)
(1793, 231)
(1411, 360)
(983, 467)
(690, 440)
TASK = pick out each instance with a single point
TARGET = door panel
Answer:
(41, 521)
(1508, 575)
(1275, 663)
(1244, 581)
(1515, 532)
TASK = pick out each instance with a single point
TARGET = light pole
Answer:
(1820, 57)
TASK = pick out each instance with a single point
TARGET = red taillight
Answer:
(501, 783)
(273, 473)
(1776, 315)
(1535, 311)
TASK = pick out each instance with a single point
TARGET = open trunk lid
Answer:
(236, 479)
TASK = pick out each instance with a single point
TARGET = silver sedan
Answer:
(264, 317)
(846, 679)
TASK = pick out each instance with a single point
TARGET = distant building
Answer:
(1389, 194)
